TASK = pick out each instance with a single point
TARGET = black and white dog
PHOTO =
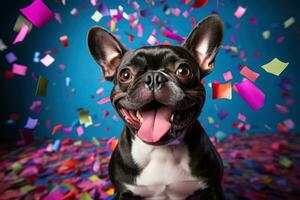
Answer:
(163, 152)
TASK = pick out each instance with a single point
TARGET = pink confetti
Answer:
(37, 13)
(151, 40)
(281, 109)
(241, 117)
(185, 14)
(47, 60)
(104, 100)
(251, 94)
(280, 39)
(289, 123)
(54, 195)
(253, 20)
(22, 34)
(58, 17)
(227, 76)
(172, 36)
(240, 11)
(19, 69)
(140, 30)
(79, 130)
(232, 39)
(248, 73)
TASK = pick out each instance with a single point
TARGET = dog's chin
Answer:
(166, 125)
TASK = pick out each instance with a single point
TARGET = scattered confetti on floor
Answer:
(256, 167)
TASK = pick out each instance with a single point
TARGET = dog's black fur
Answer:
(185, 95)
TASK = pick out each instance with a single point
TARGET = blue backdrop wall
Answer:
(62, 103)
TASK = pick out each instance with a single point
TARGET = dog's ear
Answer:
(204, 42)
(106, 50)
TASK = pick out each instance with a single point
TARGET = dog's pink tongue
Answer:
(155, 124)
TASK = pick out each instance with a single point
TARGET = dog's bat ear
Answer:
(106, 50)
(204, 42)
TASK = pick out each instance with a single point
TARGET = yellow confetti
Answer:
(287, 23)
(94, 178)
(266, 34)
(275, 67)
(111, 191)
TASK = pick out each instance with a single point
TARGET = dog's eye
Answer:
(125, 75)
(183, 71)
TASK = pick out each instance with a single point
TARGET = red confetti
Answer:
(199, 3)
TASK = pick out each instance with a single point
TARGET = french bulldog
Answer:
(163, 151)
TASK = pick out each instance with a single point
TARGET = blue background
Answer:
(61, 105)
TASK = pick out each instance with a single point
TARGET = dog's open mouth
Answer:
(155, 120)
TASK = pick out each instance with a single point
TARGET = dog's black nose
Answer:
(154, 80)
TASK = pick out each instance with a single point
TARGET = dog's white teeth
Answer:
(172, 118)
(139, 116)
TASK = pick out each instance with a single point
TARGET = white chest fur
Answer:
(165, 172)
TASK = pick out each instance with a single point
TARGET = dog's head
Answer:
(158, 90)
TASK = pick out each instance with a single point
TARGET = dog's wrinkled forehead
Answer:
(156, 58)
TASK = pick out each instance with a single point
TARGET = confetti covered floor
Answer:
(256, 167)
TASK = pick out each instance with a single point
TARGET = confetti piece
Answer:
(94, 2)
(56, 128)
(11, 57)
(41, 88)
(97, 16)
(112, 25)
(104, 100)
(56, 145)
(68, 81)
(252, 20)
(151, 40)
(227, 76)
(240, 11)
(172, 36)
(266, 34)
(67, 130)
(2, 45)
(22, 34)
(64, 40)
(74, 12)
(36, 57)
(103, 9)
(241, 117)
(287, 23)
(84, 118)
(140, 30)
(85, 196)
(285, 162)
(19, 69)
(79, 130)
(199, 3)
(16, 167)
(280, 39)
(251, 94)
(19, 22)
(289, 123)
(31, 123)
(37, 13)
(222, 114)
(221, 136)
(232, 39)
(47, 60)
(221, 91)
(210, 120)
(281, 109)
(248, 73)
(57, 17)
(275, 67)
